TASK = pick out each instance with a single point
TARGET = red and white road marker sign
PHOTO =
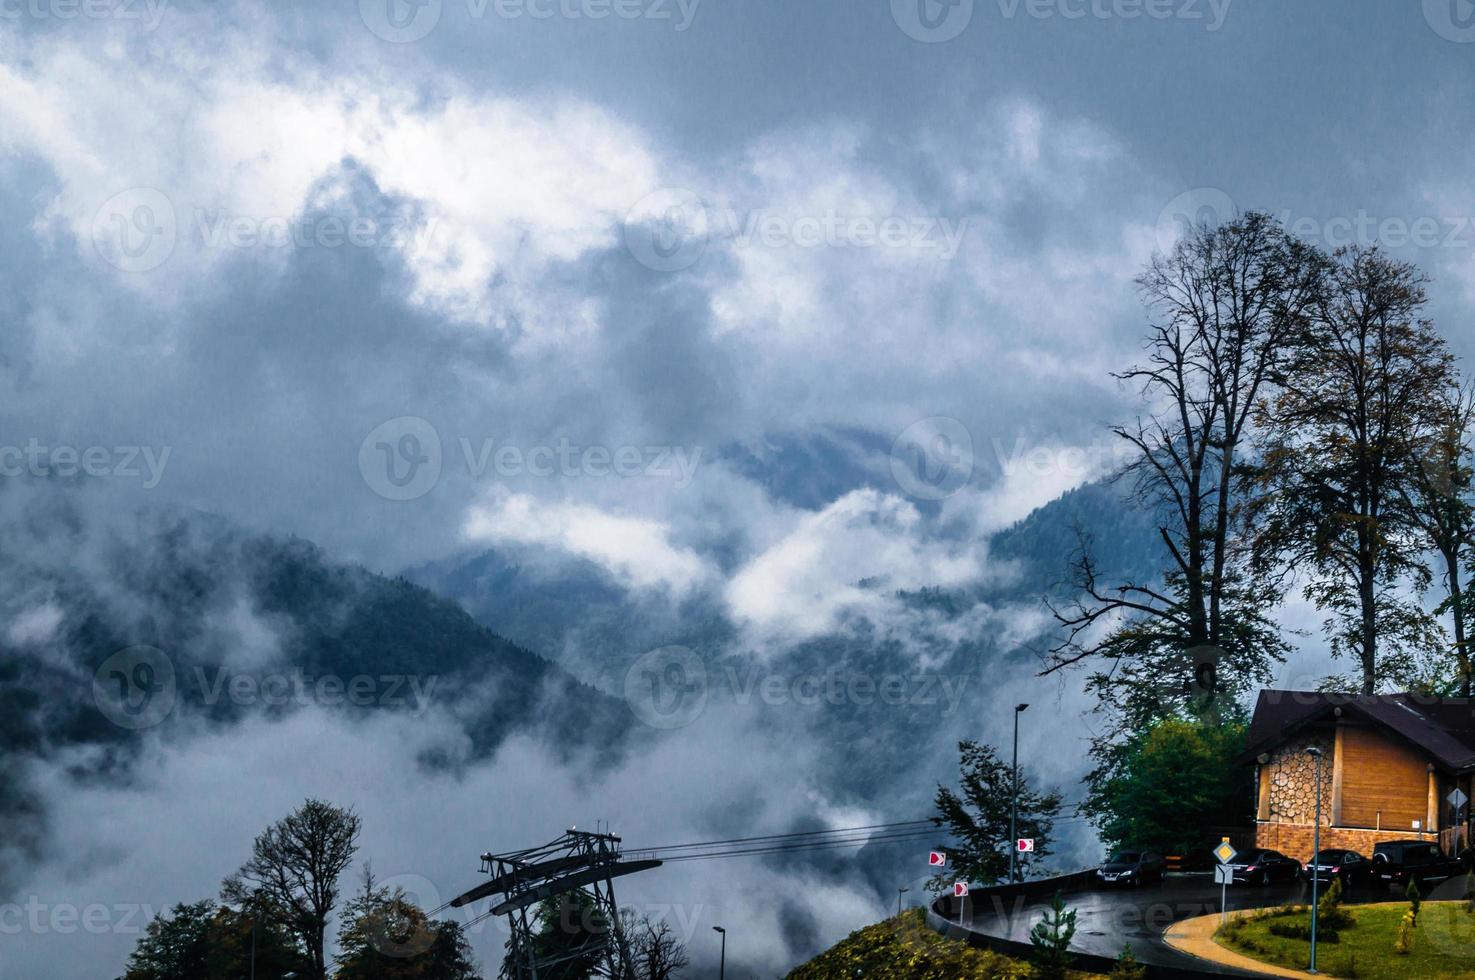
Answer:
(936, 859)
(960, 889)
(1026, 845)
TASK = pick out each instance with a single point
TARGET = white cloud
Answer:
(239, 142)
(35, 626)
(637, 552)
(851, 556)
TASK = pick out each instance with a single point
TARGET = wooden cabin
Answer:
(1390, 768)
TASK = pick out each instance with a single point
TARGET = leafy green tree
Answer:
(1439, 504)
(1174, 779)
(241, 937)
(1342, 451)
(1051, 938)
(385, 936)
(173, 946)
(204, 941)
(573, 938)
(977, 818)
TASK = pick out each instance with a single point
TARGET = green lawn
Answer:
(1443, 944)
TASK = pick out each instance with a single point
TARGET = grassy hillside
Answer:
(905, 949)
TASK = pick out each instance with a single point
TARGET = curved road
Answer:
(1109, 919)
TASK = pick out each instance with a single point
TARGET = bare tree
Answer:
(1342, 453)
(1222, 305)
(294, 867)
(655, 950)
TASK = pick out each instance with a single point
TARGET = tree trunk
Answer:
(1457, 605)
(1368, 597)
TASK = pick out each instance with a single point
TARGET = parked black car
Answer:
(1131, 868)
(1396, 862)
(1263, 867)
(1351, 867)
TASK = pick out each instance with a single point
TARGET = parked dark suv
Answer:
(1131, 868)
(1352, 868)
(1396, 862)
(1263, 867)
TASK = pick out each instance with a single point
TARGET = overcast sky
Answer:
(409, 278)
(569, 254)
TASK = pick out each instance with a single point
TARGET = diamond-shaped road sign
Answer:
(1225, 852)
(1457, 799)
(936, 859)
(960, 890)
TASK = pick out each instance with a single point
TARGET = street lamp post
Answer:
(722, 963)
(1014, 803)
(900, 892)
(1315, 754)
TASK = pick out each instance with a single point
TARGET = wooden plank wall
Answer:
(1381, 775)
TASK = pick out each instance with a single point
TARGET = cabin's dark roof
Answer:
(1444, 728)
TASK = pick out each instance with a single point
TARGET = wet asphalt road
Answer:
(1107, 919)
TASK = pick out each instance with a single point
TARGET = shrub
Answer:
(1127, 967)
(1301, 929)
(1414, 899)
(1329, 912)
(1404, 943)
(1051, 938)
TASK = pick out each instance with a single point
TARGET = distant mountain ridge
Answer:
(223, 605)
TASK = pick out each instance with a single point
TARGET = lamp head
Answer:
(1314, 752)
(719, 929)
(1020, 707)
